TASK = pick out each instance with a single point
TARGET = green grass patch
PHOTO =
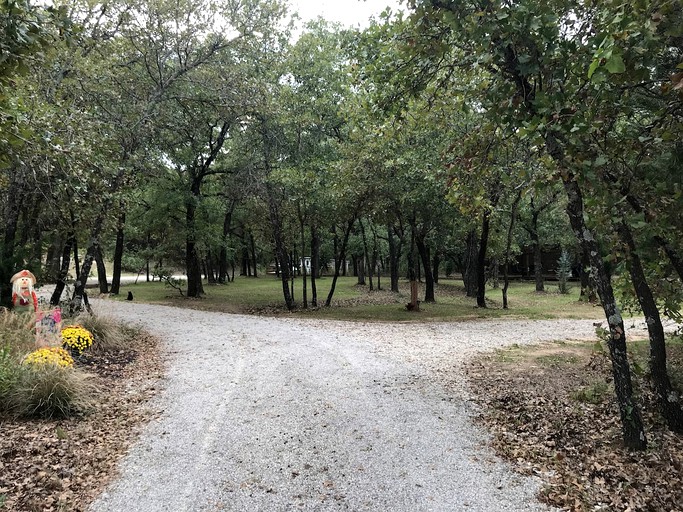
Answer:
(508, 355)
(264, 295)
(592, 394)
(559, 359)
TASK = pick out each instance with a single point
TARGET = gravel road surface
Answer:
(278, 414)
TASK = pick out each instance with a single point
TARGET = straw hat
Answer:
(23, 273)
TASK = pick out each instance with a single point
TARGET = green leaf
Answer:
(615, 64)
(600, 161)
(593, 67)
(637, 368)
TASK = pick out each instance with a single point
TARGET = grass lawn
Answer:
(263, 295)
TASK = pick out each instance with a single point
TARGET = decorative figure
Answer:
(24, 299)
(49, 328)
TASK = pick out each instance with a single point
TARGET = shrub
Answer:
(50, 390)
(109, 335)
(76, 338)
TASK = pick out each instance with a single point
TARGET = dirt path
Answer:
(285, 414)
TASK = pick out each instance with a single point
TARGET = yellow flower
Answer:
(50, 355)
(76, 338)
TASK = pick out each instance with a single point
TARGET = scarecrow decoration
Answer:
(24, 299)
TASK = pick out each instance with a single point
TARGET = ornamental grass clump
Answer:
(10, 374)
(17, 332)
(108, 334)
(76, 339)
(51, 390)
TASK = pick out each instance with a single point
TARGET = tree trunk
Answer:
(50, 257)
(304, 280)
(538, 260)
(418, 267)
(11, 213)
(436, 263)
(508, 246)
(101, 271)
(192, 266)
(209, 268)
(252, 245)
(668, 398)
(77, 261)
(64, 270)
(246, 264)
(292, 259)
(423, 251)
(315, 264)
(366, 254)
(36, 261)
(494, 273)
(339, 259)
(360, 268)
(354, 261)
(376, 260)
(631, 421)
(481, 260)
(52, 261)
(470, 272)
(588, 292)
(192, 263)
(379, 276)
(414, 305)
(280, 248)
(223, 254)
(118, 254)
(394, 257)
(79, 298)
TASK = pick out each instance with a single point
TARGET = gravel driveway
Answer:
(275, 414)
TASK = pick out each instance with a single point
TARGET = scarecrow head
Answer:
(22, 281)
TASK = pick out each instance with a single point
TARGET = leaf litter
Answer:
(551, 412)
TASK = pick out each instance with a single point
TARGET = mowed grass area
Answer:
(263, 295)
